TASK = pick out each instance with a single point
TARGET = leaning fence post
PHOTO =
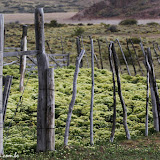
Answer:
(6, 92)
(50, 135)
(123, 56)
(71, 105)
(153, 81)
(1, 80)
(43, 65)
(135, 72)
(23, 58)
(120, 93)
(153, 96)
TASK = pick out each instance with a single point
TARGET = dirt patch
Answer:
(28, 18)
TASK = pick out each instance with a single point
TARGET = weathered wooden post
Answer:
(50, 135)
(78, 43)
(99, 46)
(114, 92)
(6, 91)
(43, 65)
(153, 81)
(92, 93)
(123, 56)
(23, 58)
(136, 56)
(132, 59)
(120, 93)
(71, 105)
(1, 80)
(153, 95)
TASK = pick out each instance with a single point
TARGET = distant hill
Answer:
(28, 6)
(121, 9)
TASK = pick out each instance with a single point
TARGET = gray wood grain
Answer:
(50, 115)
(43, 65)
(71, 105)
(1, 80)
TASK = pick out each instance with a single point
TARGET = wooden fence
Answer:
(45, 110)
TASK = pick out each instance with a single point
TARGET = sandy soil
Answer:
(28, 18)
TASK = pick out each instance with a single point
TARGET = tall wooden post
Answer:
(23, 58)
(50, 110)
(92, 93)
(43, 65)
(1, 80)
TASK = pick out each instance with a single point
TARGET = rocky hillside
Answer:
(121, 9)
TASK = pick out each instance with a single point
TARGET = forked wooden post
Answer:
(43, 65)
(1, 80)
(23, 58)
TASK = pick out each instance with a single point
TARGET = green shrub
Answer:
(128, 22)
(78, 31)
(113, 28)
(54, 23)
(136, 40)
(153, 24)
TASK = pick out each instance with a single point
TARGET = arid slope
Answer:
(121, 9)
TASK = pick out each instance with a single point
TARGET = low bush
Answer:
(136, 40)
(113, 28)
(129, 22)
(78, 31)
(153, 24)
(54, 23)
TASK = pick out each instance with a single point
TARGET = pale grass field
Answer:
(64, 17)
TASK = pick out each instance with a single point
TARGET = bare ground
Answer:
(64, 17)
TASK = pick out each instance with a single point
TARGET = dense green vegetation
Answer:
(21, 136)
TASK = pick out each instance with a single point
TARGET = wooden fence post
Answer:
(132, 59)
(123, 56)
(1, 80)
(114, 93)
(136, 56)
(43, 65)
(71, 105)
(92, 93)
(23, 58)
(50, 110)
(153, 81)
(6, 92)
(147, 100)
(99, 47)
(120, 93)
(153, 96)
(78, 43)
